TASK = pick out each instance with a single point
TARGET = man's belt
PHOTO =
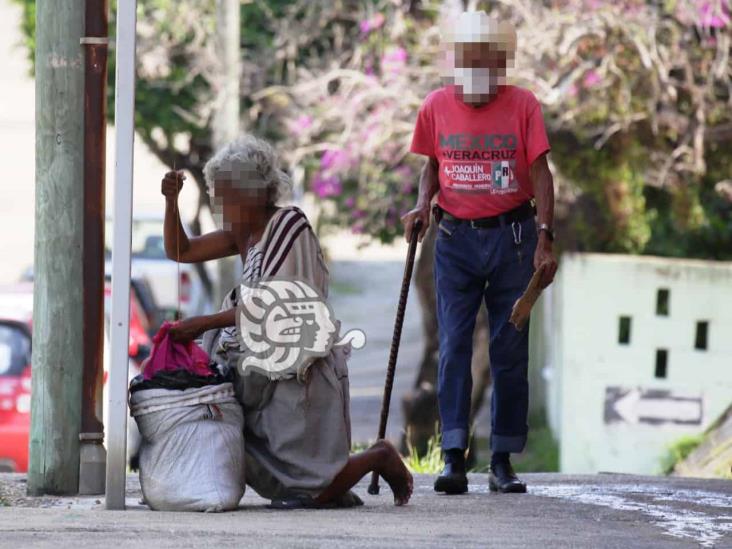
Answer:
(520, 213)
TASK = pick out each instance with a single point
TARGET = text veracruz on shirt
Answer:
(479, 163)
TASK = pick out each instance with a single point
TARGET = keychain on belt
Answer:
(516, 230)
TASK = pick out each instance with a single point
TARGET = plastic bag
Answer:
(192, 450)
(168, 355)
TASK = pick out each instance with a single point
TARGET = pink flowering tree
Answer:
(636, 95)
(349, 125)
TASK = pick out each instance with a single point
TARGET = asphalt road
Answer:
(603, 511)
(364, 295)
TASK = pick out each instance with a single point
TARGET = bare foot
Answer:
(395, 472)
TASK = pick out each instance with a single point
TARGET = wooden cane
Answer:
(395, 340)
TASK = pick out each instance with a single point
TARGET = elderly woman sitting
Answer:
(295, 398)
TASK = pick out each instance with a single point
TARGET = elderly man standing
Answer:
(486, 148)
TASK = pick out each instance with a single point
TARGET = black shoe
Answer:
(453, 479)
(503, 479)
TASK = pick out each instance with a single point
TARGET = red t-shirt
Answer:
(484, 153)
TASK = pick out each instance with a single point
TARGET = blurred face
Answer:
(234, 206)
(480, 55)
(480, 67)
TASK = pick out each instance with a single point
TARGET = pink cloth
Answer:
(168, 355)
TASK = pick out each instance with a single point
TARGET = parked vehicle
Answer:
(141, 328)
(15, 376)
(16, 301)
(16, 309)
(149, 262)
(142, 290)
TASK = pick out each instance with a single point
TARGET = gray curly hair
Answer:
(249, 163)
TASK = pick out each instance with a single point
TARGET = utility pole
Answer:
(95, 42)
(226, 119)
(57, 294)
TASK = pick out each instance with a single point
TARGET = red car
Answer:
(16, 307)
(140, 325)
(15, 387)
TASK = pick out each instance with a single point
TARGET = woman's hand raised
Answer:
(172, 184)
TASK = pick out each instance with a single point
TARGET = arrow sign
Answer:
(654, 407)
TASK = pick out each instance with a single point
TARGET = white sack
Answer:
(192, 449)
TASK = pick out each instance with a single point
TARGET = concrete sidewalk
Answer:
(559, 511)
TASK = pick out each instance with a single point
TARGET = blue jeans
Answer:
(470, 265)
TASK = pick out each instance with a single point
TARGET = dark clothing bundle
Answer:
(181, 379)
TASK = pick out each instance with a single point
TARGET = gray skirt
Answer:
(298, 435)
(297, 432)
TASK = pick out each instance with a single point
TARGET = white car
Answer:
(149, 262)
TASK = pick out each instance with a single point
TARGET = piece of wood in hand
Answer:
(522, 308)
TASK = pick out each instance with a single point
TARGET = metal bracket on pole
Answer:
(124, 119)
(94, 40)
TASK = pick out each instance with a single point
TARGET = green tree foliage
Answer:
(636, 95)
(172, 90)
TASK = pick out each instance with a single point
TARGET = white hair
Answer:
(249, 163)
